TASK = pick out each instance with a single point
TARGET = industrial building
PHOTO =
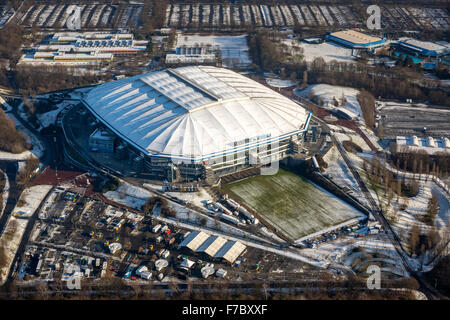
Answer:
(356, 40)
(429, 145)
(198, 121)
(84, 48)
(426, 53)
(423, 48)
(213, 246)
(190, 58)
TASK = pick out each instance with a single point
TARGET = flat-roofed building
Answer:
(429, 144)
(214, 246)
(211, 245)
(423, 48)
(356, 40)
(194, 240)
(230, 251)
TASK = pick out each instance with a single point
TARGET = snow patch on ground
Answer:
(327, 93)
(32, 197)
(5, 193)
(341, 251)
(328, 51)
(49, 118)
(129, 195)
(199, 198)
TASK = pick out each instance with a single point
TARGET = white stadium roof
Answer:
(195, 112)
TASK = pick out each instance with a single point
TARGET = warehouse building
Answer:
(213, 246)
(429, 145)
(423, 48)
(198, 122)
(356, 40)
(84, 48)
(193, 240)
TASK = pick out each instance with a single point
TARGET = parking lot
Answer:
(93, 16)
(401, 119)
(237, 15)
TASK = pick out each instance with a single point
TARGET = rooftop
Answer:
(427, 45)
(195, 112)
(355, 36)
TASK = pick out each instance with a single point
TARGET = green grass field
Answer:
(292, 204)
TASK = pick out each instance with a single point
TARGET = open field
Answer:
(292, 204)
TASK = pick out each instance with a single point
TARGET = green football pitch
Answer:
(292, 204)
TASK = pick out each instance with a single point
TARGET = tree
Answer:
(11, 139)
(414, 239)
(432, 209)
(3, 258)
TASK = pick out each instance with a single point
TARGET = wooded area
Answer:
(11, 139)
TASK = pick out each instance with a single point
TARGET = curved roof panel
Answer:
(195, 112)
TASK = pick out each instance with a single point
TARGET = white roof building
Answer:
(230, 251)
(214, 246)
(211, 245)
(429, 144)
(194, 240)
(195, 113)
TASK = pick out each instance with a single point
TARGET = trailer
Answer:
(223, 209)
(233, 204)
(229, 218)
(246, 214)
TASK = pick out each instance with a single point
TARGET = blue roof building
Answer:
(356, 40)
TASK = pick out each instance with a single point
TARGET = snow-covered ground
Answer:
(328, 51)
(5, 193)
(33, 197)
(344, 134)
(403, 221)
(49, 118)
(199, 198)
(338, 171)
(327, 93)
(12, 243)
(129, 195)
(373, 248)
(233, 49)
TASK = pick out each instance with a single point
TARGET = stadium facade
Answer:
(198, 121)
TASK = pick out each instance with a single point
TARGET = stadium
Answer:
(195, 122)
